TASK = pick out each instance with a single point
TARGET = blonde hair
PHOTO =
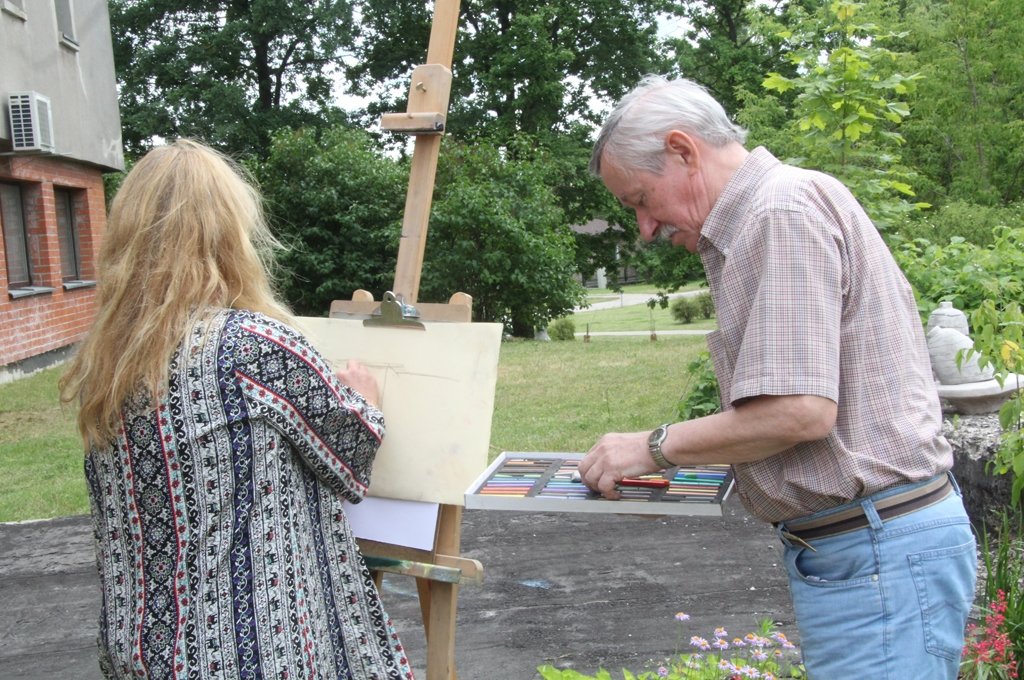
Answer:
(186, 233)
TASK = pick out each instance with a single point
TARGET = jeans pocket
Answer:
(846, 563)
(944, 580)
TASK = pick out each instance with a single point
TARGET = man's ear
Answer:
(679, 143)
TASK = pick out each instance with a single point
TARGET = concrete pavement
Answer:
(573, 590)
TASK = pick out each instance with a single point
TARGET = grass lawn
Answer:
(633, 318)
(551, 396)
(561, 396)
(41, 472)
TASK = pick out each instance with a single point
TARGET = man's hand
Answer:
(614, 457)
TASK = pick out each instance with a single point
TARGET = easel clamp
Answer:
(428, 103)
(393, 312)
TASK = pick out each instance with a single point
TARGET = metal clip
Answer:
(394, 312)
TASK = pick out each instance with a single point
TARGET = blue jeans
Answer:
(888, 601)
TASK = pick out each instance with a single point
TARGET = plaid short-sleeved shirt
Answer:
(810, 301)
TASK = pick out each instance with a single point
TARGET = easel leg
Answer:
(423, 588)
(441, 631)
(439, 610)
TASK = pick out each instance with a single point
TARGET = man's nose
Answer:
(648, 226)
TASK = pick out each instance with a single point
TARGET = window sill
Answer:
(14, 10)
(76, 284)
(68, 42)
(28, 291)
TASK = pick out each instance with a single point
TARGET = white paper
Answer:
(407, 523)
(437, 394)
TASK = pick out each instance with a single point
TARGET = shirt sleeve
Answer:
(790, 341)
(332, 427)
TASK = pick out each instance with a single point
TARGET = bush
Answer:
(974, 223)
(766, 653)
(684, 309)
(702, 398)
(995, 648)
(706, 305)
(962, 272)
(562, 329)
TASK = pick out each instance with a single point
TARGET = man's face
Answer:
(671, 205)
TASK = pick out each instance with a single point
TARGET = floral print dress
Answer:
(222, 543)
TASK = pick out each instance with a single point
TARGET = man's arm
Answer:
(756, 429)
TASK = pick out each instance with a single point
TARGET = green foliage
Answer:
(702, 397)
(967, 132)
(562, 329)
(337, 203)
(997, 328)
(850, 101)
(988, 284)
(962, 272)
(520, 67)
(706, 304)
(662, 264)
(687, 308)
(684, 309)
(974, 223)
(726, 47)
(757, 654)
(226, 72)
(1004, 573)
(497, 233)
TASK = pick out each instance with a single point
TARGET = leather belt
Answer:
(889, 507)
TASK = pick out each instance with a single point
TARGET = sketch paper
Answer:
(408, 523)
(437, 394)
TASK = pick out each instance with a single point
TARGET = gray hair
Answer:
(635, 131)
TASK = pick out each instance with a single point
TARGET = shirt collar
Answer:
(721, 226)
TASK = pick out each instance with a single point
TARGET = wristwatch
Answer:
(654, 443)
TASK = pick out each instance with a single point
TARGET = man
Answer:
(831, 418)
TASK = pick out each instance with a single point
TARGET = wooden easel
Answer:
(438, 572)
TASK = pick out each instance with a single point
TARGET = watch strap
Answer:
(654, 447)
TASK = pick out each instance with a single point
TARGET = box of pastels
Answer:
(549, 482)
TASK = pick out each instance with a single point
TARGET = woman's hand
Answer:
(359, 378)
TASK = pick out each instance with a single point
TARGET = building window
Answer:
(12, 215)
(14, 7)
(66, 22)
(67, 232)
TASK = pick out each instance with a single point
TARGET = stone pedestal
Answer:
(973, 398)
(975, 440)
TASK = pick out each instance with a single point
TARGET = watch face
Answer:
(658, 436)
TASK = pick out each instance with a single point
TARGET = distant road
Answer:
(627, 299)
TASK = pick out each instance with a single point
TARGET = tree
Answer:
(337, 203)
(967, 134)
(521, 66)
(724, 49)
(498, 234)
(850, 101)
(227, 71)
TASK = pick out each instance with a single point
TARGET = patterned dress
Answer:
(222, 543)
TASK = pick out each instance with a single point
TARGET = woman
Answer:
(220, 447)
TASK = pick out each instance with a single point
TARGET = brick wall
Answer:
(36, 324)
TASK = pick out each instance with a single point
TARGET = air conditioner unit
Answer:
(31, 121)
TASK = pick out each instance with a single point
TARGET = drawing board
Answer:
(544, 482)
(437, 393)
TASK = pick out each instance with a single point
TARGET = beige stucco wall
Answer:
(79, 80)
